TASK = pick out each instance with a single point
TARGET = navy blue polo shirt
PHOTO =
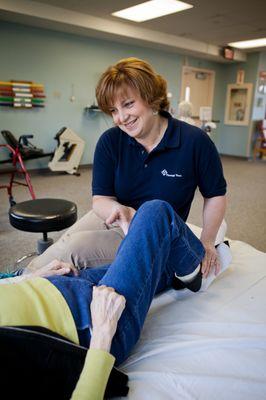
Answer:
(186, 158)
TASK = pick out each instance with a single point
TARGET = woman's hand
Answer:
(213, 214)
(106, 309)
(210, 260)
(122, 216)
(54, 268)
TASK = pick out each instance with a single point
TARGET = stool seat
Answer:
(43, 215)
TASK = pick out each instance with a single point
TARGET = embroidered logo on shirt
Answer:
(165, 173)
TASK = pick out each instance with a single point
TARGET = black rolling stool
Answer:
(43, 215)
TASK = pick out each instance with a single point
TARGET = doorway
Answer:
(201, 87)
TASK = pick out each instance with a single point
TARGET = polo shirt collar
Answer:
(171, 137)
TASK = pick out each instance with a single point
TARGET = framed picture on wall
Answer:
(238, 103)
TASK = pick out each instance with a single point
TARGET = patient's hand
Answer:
(54, 268)
(106, 309)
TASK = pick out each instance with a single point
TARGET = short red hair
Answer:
(139, 76)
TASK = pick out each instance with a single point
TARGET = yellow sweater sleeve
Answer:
(94, 376)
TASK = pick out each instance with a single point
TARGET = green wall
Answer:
(59, 61)
(63, 62)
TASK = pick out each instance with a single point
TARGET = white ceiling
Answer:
(201, 31)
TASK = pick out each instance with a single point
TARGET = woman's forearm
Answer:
(112, 212)
(213, 214)
(104, 205)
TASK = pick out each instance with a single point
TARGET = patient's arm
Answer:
(106, 309)
(54, 268)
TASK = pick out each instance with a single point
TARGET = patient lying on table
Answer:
(103, 309)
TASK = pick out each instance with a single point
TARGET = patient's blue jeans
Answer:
(157, 245)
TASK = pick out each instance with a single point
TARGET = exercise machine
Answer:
(67, 155)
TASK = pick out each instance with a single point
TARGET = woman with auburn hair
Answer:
(147, 155)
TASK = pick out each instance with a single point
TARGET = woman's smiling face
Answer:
(132, 114)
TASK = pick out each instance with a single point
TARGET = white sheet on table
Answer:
(206, 346)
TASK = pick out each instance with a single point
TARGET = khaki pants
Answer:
(87, 243)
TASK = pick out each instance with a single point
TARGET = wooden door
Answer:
(201, 84)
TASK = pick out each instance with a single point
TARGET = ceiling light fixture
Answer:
(152, 9)
(249, 44)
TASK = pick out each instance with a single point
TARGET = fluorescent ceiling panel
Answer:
(249, 44)
(152, 9)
